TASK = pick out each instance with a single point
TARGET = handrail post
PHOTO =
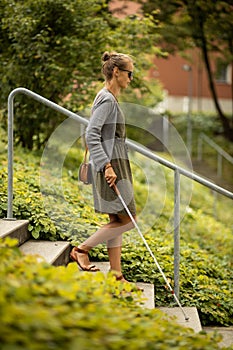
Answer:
(10, 157)
(220, 152)
(47, 103)
(165, 132)
(176, 231)
(219, 167)
(199, 148)
(215, 195)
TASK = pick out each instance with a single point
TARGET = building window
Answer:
(222, 73)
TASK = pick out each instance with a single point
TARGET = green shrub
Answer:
(206, 243)
(46, 307)
(205, 279)
(29, 203)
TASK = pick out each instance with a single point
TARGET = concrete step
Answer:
(191, 312)
(55, 253)
(148, 289)
(15, 229)
(148, 294)
(226, 333)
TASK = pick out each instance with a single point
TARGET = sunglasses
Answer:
(130, 74)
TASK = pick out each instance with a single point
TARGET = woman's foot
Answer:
(120, 277)
(80, 256)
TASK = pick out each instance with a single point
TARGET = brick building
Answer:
(185, 82)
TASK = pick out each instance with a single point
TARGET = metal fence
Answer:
(178, 171)
(220, 152)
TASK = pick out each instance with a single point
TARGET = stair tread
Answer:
(57, 253)
(226, 333)
(47, 250)
(9, 226)
(50, 251)
(191, 312)
(148, 288)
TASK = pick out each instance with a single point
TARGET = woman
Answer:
(105, 137)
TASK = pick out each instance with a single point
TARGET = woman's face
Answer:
(125, 75)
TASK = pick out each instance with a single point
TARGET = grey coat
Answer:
(100, 133)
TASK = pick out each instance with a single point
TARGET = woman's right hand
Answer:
(110, 176)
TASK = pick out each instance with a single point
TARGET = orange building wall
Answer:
(176, 80)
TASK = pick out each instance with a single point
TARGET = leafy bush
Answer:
(52, 33)
(205, 280)
(206, 244)
(30, 204)
(45, 307)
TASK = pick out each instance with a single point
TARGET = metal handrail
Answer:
(220, 152)
(181, 170)
(177, 170)
(44, 101)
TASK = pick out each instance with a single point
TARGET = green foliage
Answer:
(185, 24)
(206, 243)
(45, 307)
(205, 277)
(150, 94)
(54, 48)
(30, 204)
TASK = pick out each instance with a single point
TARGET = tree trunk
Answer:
(232, 94)
(228, 131)
(231, 51)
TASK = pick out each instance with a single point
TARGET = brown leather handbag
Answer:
(85, 170)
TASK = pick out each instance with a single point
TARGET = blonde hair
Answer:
(111, 60)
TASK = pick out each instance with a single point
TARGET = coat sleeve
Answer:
(100, 134)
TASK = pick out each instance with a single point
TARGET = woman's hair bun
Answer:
(106, 56)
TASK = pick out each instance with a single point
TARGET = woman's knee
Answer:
(126, 221)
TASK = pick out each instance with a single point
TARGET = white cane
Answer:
(149, 250)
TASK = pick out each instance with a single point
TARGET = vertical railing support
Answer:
(220, 152)
(10, 157)
(219, 166)
(47, 103)
(199, 149)
(166, 133)
(176, 231)
(215, 200)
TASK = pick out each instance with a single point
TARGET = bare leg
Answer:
(115, 244)
(110, 233)
(114, 254)
(114, 251)
(118, 224)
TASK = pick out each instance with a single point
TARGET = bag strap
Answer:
(85, 154)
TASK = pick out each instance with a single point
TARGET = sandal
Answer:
(122, 278)
(74, 257)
